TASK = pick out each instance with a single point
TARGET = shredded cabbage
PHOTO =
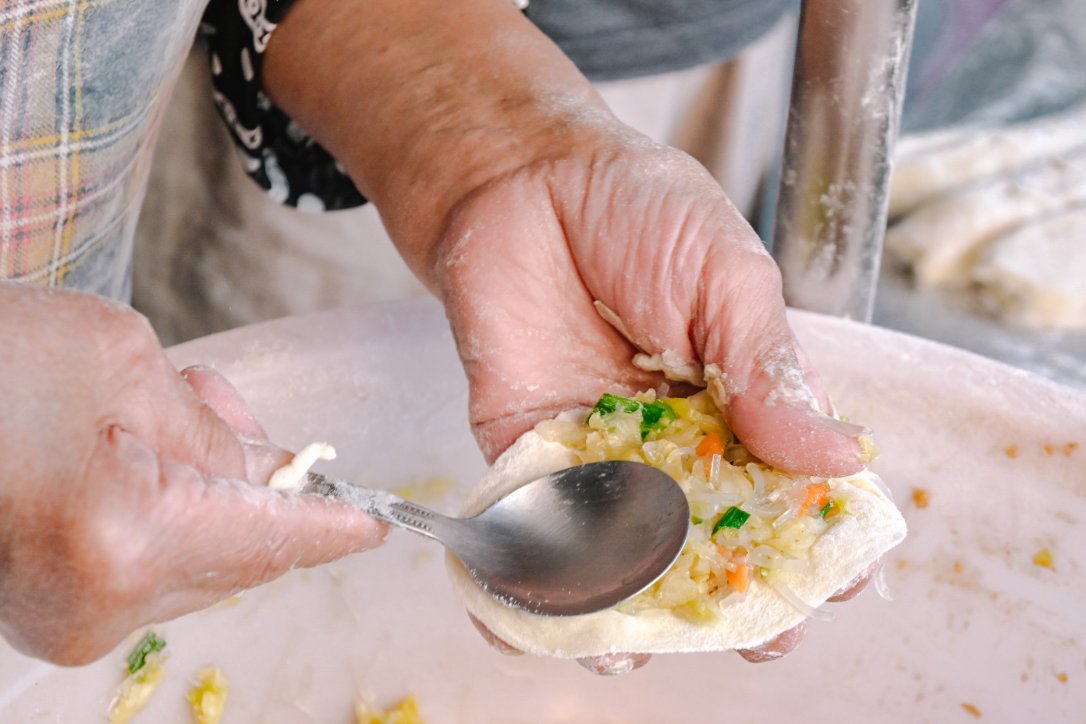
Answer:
(776, 538)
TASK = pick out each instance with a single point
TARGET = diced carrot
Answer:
(921, 497)
(818, 494)
(739, 578)
(710, 445)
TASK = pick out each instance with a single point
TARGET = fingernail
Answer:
(840, 426)
(862, 435)
(868, 449)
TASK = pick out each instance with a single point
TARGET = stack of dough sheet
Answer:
(1036, 275)
(998, 213)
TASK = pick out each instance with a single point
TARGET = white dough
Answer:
(290, 476)
(1036, 275)
(931, 164)
(837, 558)
(941, 240)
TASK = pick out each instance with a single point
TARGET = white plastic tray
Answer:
(973, 621)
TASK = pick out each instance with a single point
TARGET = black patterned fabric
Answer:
(281, 157)
(608, 39)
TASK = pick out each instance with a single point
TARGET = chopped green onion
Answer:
(732, 518)
(150, 643)
(826, 509)
(696, 520)
(609, 403)
(655, 416)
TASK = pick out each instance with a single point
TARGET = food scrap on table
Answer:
(921, 497)
(145, 672)
(1043, 558)
(1068, 449)
(208, 696)
(406, 711)
(427, 491)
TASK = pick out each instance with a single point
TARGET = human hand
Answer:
(527, 208)
(645, 231)
(124, 498)
(521, 201)
(526, 262)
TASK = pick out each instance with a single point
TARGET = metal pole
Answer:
(851, 61)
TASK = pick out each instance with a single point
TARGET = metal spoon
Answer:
(576, 541)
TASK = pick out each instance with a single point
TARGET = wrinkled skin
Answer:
(143, 501)
(130, 494)
(516, 196)
(520, 200)
(644, 230)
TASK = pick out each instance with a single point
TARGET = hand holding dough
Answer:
(765, 548)
(692, 608)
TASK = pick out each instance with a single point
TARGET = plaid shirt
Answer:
(83, 85)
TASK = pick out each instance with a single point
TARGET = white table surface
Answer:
(973, 620)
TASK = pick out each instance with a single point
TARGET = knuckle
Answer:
(776, 648)
(498, 644)
(762, 272)
(856, 586)
(613, 664)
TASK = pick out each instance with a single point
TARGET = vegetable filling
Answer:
(749, 522)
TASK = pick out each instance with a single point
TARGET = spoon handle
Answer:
(378, 503)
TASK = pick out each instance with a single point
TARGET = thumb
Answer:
(196, 418)
(259, 534)
(755, 376)
(221, 396)
(262, 458)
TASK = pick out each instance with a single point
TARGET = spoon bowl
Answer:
(573, 542)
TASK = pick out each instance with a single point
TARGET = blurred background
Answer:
(213, 252)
